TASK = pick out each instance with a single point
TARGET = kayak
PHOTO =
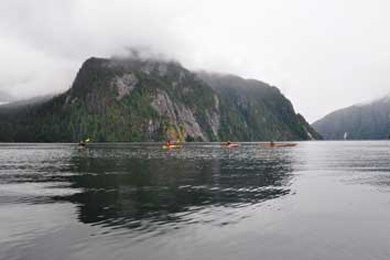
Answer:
(173, 146)
(82, 145)
(233, 145)
(278, 145)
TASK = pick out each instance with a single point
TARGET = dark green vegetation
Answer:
(148, 100)
(253, 110)
(360, 122)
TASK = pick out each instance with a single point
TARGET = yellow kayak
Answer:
(173, 146)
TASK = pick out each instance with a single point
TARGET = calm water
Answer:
(319, 200)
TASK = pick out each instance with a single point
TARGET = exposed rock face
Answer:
(149, 100)
(125, 84)
(214, 121)
(177, 115)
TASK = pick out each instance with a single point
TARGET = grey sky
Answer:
(323, 55)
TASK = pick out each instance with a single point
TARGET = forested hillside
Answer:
(149, 100)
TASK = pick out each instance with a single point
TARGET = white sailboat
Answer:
(345, 136)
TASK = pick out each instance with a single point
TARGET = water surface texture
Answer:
(318, 200)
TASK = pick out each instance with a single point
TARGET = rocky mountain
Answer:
(150, 100)
(358, 122)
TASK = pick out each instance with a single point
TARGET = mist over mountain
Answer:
(358, 122)
(136, 99)
(5, 96)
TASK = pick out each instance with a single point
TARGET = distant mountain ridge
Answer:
(367, 121)
(150, 100)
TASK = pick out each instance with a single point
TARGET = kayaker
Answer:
(230, 144)
(83, 144)
(272, 144)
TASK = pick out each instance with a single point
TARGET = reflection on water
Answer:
(319, 200)
(123, 190)
(141, 186)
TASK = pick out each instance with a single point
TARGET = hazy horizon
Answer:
(322, 55)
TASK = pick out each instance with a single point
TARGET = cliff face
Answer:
(148, 100)
(359, 122)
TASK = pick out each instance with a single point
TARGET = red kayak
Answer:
(233, 145)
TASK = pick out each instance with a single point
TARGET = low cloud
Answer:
(322, 54)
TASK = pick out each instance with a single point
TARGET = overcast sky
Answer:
(323, 55)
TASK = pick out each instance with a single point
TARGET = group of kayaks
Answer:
(228, 144)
